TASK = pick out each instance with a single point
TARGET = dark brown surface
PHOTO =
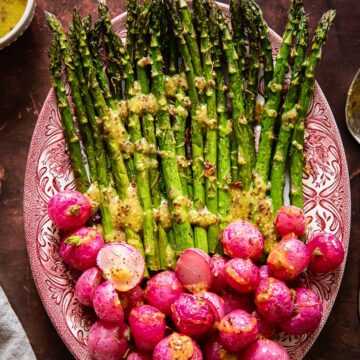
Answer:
(24, 83)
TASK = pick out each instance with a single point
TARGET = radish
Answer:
(307, 315)
(214, 350)
(147, 326)
(108, 341)
(69, 210)
(86, 284)
(242, 275)
(193, 270)
(177, 347)
(264, 272)
(122, 265)
(242, 239)
(234, 301)
(326, 253)
(107, 304)
(192, 315)
(288, 259)
(217, 266)
(130, 299)
(138, 356)
(266, 329)
(80, 249)
(290, 220)
(216, 302)
(237, 330)
(162, 290)
(264, 349)
(274, 300)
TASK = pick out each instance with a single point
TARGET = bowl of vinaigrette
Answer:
(15, 17)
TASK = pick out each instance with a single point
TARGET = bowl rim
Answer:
(20, 25)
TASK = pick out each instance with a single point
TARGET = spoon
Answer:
(352, 109)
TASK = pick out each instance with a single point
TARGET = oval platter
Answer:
(327, 204)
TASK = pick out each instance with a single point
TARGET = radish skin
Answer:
(234, 301)
(264, 349)
(290, 220)
(107, 304)
(86, 284)
(194, 278)
(217, 266)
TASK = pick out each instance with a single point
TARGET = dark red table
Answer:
(24, 83)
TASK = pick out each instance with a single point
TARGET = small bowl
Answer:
(21, 26)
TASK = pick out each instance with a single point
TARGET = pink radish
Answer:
(162, 290)
(108, 341)
(176, 347)
(242, 239)
(86, 285)
(193, 270)
(147, 326)
(138, 356)
(264, 349)
(107, 304)
(326, 253)
(264, 272)
(122, 265)
(214, 350)
(242, 275)
(237, 330)
(274, 300)
(216, 302)
(234, 301)
(217, 265)
(307, 315)
(69, 210)
(290, 220)
(266, 329)
(192, 315)
(80, 249)
(130, 299)
(288, 259)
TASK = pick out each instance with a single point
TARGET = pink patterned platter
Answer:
(327, 203)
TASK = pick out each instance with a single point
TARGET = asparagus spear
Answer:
(132, 8)
(166, 253)
(179, 203)
(72, 140)
(265, 44)
(243, 132)
(127, 192)
(134, 126)
(197, 146)
(275, 87)
(211, 185)
(288, 117)
(306, 92)
(60, 37)
(106, 191)
(253, 62)
(238, 30)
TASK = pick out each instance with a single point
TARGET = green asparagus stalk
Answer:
(166, 142)
(211, 185)
(238, 30)
(253, 61)
(197, 145)
(132, 8)
(277, 178)
(243, 131)
(134, 126)
(265, 44)
(166, 252)
(72, 140)
(275, 87)
(306, 92)
(88, 141)
(105, 188)
(122, 183)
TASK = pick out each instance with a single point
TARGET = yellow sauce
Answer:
(10, 14)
